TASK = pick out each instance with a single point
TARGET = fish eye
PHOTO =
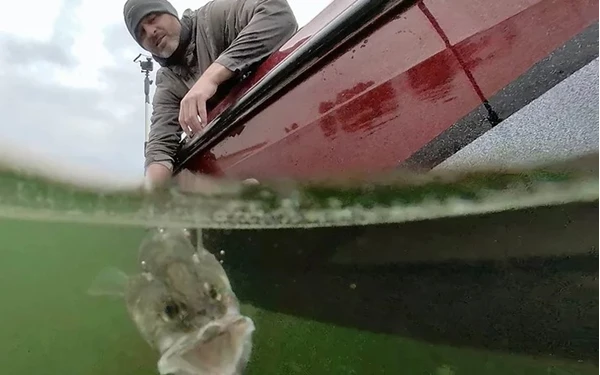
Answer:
(171, 310)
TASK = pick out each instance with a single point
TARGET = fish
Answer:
(183, 305)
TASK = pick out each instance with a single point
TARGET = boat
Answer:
(379, 85)
(374, 86)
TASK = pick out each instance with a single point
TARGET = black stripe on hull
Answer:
(541, 77)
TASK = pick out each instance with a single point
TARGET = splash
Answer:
(35, 192)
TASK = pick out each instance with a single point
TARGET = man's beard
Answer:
(169, 49)
(175, 53)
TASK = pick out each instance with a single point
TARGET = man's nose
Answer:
(149, 29)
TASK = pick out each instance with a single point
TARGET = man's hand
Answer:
(192, 112)
(157, 175)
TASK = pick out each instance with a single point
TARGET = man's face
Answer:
(159, 34)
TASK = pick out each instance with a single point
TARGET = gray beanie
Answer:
(135, 10)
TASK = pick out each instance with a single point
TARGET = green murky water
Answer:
(56, 238)
(50, 326)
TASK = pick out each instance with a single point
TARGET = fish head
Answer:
(204, 296)
(196, 334)
(161, 310)
(183, 305)
(159, 317)
(195, 278)
(222, 347)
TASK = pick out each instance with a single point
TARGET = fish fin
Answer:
(109, 282)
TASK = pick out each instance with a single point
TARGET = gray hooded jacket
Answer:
(234, 33)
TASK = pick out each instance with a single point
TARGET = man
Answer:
(206, 48)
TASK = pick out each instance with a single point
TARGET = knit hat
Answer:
(135, 10)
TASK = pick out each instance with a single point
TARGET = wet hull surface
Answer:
(446, 74)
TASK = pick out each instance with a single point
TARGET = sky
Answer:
(70, 91)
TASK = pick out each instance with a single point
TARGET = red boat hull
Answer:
(414, 89)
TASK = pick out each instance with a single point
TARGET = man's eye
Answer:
(140, 33)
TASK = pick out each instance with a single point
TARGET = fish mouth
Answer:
(221, 347)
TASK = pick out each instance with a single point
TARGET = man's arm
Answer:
(254, 30)
(249, 31)
(163, 140)
(194, 102)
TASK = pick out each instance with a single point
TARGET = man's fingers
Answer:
(194, 121)
(202, 113)
(192, 114)
(183, 124)
(184, 116)
(189, 117)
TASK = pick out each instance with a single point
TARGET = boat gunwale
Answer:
(350, 24)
